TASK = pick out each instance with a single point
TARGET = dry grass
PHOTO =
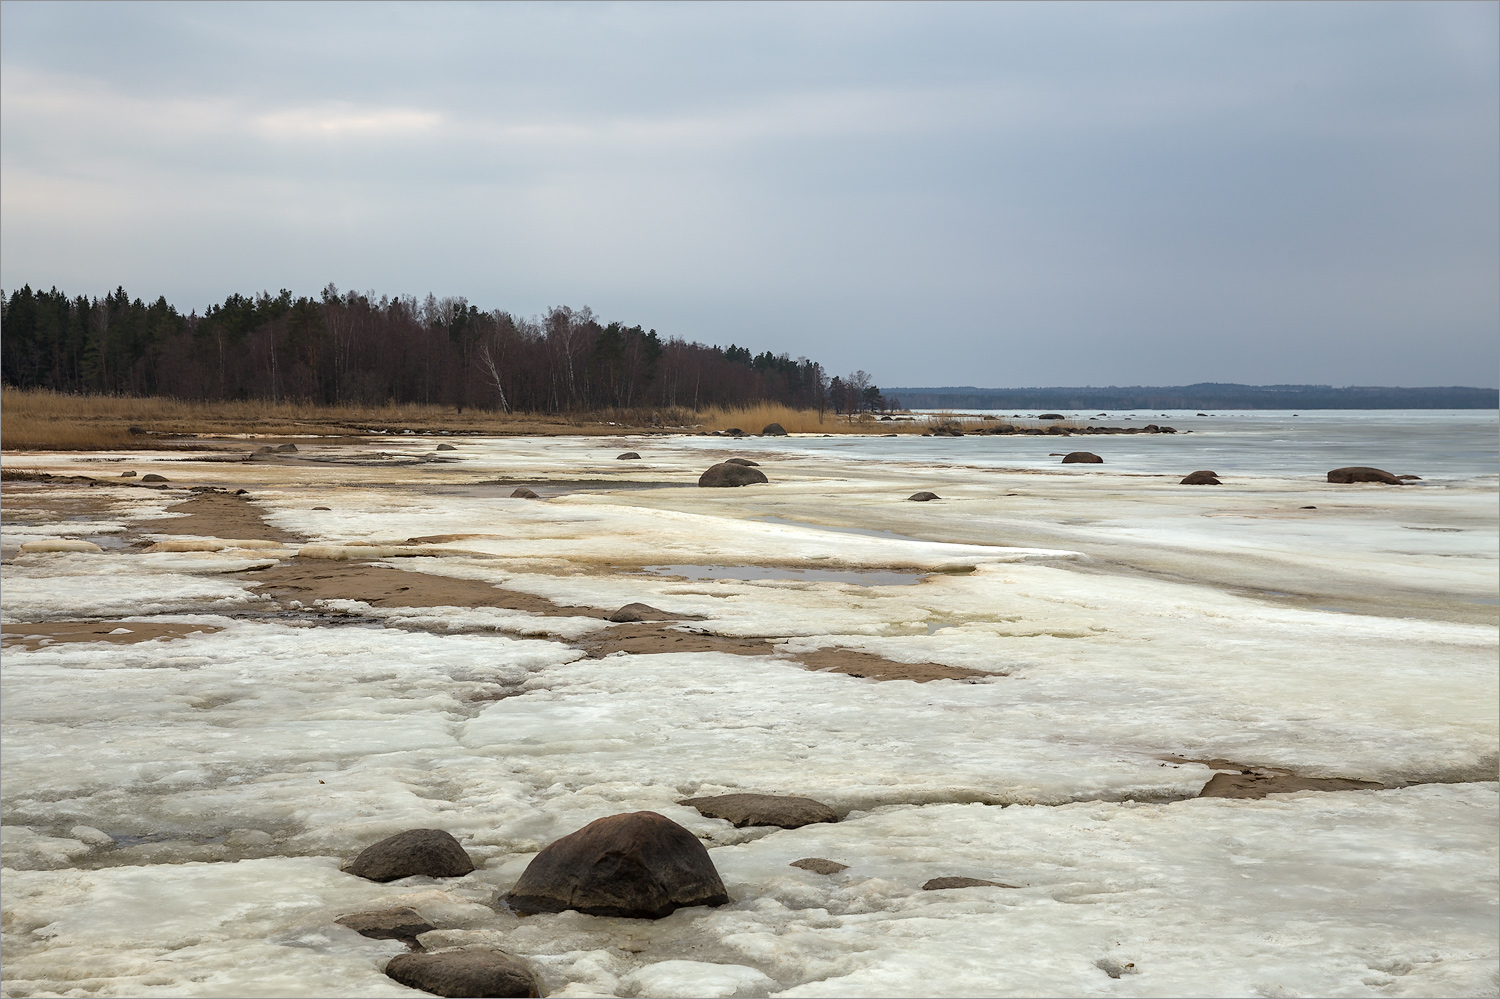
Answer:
(50, 421)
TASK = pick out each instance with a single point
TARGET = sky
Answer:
(967, 194)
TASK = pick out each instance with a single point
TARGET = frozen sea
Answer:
(175, 811)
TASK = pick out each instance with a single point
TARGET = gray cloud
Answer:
(972, 194)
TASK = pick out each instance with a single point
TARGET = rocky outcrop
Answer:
(523, 493)
(922, 497)
(464, 973)
(773, 430)
(638, 864)
(819, 865)
(1361, 473)
(1201, 478)
(431, 852)
(1082, 457)
(730, 474)
(627, 456)
(786, 811)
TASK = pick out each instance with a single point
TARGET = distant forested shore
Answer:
(1204, 396)
(350, 348)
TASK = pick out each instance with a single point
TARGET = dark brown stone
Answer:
(445, 447)
(136, 430)
(742, 461)
(432, 852)
(320, 508)
(1052, 416)
(939, 884)
(923, 497)
(1082, 457)
(786, 811)
(776, 430)
(1361, 473)
(153, 477)
(286, 448)
(638, 864)
(400, 923)
(1202, 478)
(729, 474)
(819, 865)
(631, 613)
(627, 456)
(127, 475)
(457, 973)
(523, 493)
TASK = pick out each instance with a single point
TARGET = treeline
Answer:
(1205, 395)
(351, 348)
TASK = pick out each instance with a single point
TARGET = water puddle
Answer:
(862, 577)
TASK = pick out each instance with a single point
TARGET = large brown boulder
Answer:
(773, 430)
(727, 473)
(1082, 457)
(1202, 478)
(464, 973)
(638, 864)
(786, 811)
(432, 852)
(1360, 473)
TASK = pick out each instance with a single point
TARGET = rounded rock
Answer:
(627, 456)
(742, 461)
(431, 852)
(153, 477)
(523, 493)
(922, 497)
(457, 973)
(728, 473)
(786, 811)
(1082, 457)
(773, 430)
(1361, 473)
(1202, 477)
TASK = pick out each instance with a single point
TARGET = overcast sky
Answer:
(1012, 195)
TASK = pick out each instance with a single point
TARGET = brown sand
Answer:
(37, 636)
(1257, 782)
(217, 515)
(864, 664)
(308, 580)
(651, 639)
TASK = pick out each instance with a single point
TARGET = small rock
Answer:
(136, 430)
(923, 497)
(777, 430)
(127, 475)
(636, 612)
(786, 811)
(523, 493)
(1082, 457)
(432, 852)
(242, 492)
(819, 865)
(638, 865)
(445, 447)
(939, 884)
(286, 448)
(1307, 508)
(742, 461)
(729, 474)
(627, 456)
(153, 477)
(400, 923)
(1051, 416)
(1361, 473)
(457, 973)
(320, 508)
(734, 432)
(1201, 478)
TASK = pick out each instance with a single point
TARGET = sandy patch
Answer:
(648, 639)
(310, 580)
(217, 515)
(1257, 782)
(873, 667)
(37, 636)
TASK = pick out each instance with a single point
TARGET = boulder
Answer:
(729, 474)
(638, 864)
(523, 493)
(742, 461)
(286, 448)
(786, 811)
(153, 477)
(432, 852)
(1052, 416)
(445, 447)
(127, 475)
(464, 973)
(938, 884)
(1357, 473)
(819, 865)
(1201, 478)
(627, 456)
(636, 612)
(400, 923)
(1082, 457)
(922, 497)
(777, 430)
(320, 508)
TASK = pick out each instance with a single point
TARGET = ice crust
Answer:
(175, 811)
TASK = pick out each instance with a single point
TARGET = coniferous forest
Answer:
(350, 348)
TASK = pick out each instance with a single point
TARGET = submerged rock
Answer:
(819, 865)
(464, 973)
(1361, 473)
(637, 864)
(922, 497)
(523, 493)
(742, 461)
(1201, 478)
(786, 811)
(939, 884)
(637, 612)
(1082, 457)
(627, 456)
(433, 852)
(775, 430)
(400, 923)
(730, 474)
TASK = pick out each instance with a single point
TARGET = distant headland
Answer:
(1204, 395)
